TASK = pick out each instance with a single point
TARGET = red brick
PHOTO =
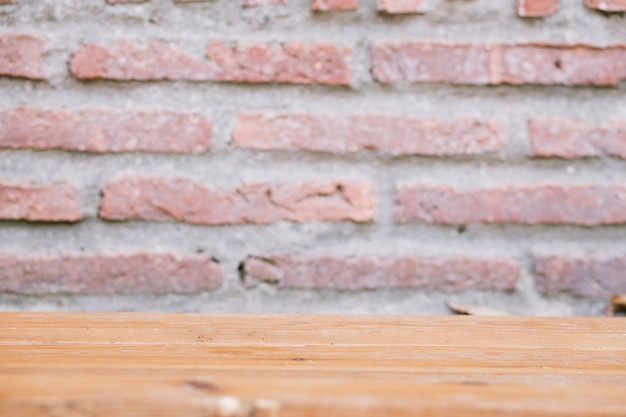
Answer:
(536, 8)
(166, 199)
(8, 1)
(461, 63)
(255, 3)
(583, 205)
(426, 61)
(570, 139)
(108, 273)
(607, 5)
(401, 6)
(293, 62)
(39, 202)
(583, 276)
(382, 133)
(104, 130)
(562, 65)
(359, 273)
(22, 56)
(330, 5)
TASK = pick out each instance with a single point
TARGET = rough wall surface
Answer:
(312, 156)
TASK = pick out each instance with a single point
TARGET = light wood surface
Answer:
(105, 365)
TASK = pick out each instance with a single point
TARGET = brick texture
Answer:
(582, 205)
(536, 8)
(382, 133)
(166, 199)
(359, 273)
(313, 144)
(104, 130)
(570, 139)
(401, 6)
(22, 56)
(39, 202)
(582, 276)
(462, 63)
(294, 63)
(607, 5)
(108, 274)
(330, 5)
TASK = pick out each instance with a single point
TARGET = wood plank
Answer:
(137, 365)
(318, 357)
(293, 330)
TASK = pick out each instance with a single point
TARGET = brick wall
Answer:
(373, 156)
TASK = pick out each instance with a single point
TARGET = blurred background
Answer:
(316, 156)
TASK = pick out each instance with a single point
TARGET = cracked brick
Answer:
(155, 198)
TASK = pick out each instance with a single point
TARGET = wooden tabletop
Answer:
(165, 365)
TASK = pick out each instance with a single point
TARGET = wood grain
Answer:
(86, 364)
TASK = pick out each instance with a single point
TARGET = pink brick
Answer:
(294, 63)
(401, 6)
(104, 130)
(331, 5)
(536, 8)
(370, 272)
(484, 64)
(425, 61)
(166, 199)
(582, 205)
(382, 133)
(22, 56)
(607, 5)
(108, 273)
(570, 139)
(39, 202)
(583, 276)
(562, 65)
(256, 3)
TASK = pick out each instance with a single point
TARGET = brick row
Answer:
(161, 198)
(163, 273)
(415, 61)
(160, 131)
(525, 8)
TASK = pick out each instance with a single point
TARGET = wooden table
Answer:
(157, 365)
